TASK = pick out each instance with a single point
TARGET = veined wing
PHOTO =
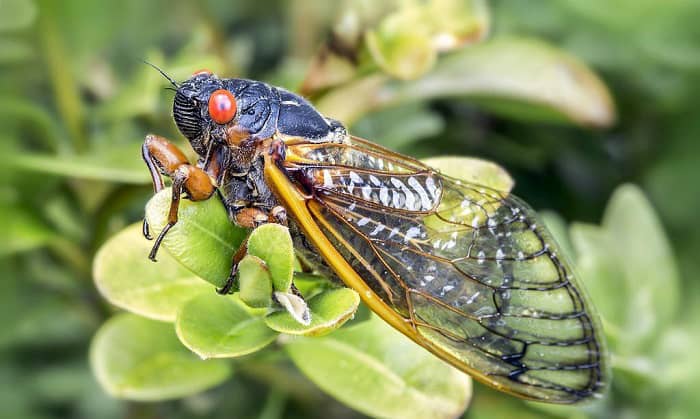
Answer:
(464, 270)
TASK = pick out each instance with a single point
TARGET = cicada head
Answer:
(209, 110)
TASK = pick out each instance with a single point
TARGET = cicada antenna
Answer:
(173, 82)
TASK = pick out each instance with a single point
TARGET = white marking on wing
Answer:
(377, 229)
(425, 201)
(355, 178)
(327, 179)
(396, 199)
(367, 192)
(411, 233)
(410, 199)
(384, 195)
(363, 221)
(430, 185)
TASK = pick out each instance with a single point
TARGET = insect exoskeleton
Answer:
(464, 270)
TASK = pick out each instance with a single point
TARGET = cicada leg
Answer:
(228, 286)
(164, 158)
(250, 217)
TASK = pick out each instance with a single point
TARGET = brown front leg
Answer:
(164, 158)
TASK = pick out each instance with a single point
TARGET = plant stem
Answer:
(65, 87)
(274, 405)
(72, 255)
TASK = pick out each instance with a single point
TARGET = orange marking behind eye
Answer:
(201, 71)
(222, 106)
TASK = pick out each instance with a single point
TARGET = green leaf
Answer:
(456, 23)
(406, 42)
(203, 240)
(402, 38)
(273, 244)
(128, 279)
(116, 163)
(139, 359)
(254, 282)
(378, 371)
(62, 383)
(36, 319)
(600, 271)
(645, 257)
(521, 78)
(311, 284)
(364, 92)
(473, 170)
(216, 326)
(15, 50)
(678, 366)
(25, 232)
(329, 310)
(327, 69)
(405, 54)
(629, 270)
(513, 75)
(17, 14)
(490, 404)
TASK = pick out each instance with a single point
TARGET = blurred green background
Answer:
(590, 108)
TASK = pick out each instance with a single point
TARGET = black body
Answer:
(262, 112)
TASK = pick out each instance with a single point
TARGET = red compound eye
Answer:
(222, 106)
(201, 71)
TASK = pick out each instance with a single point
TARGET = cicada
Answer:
(466, 271)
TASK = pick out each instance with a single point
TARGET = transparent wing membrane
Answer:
(470, 268)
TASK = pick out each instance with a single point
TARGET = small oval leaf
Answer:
(216, 326)
(329, 310)
(601, 272)
(254, 282)
(139, 359)
(646, 259)
(273, 244)
(203, 240)
(126, 278)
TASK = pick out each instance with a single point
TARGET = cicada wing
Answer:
(477, 279)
